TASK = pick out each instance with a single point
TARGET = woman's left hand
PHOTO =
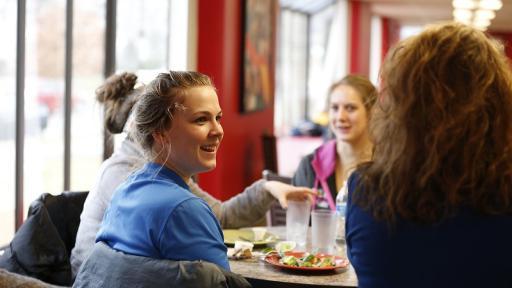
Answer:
(284, 192)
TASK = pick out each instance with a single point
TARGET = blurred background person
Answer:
(436, 202)
(349, 104)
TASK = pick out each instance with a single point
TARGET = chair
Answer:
(276, 216)
(42, 245)
(269, 152)
(65, 210)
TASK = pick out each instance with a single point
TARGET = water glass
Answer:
(323, 226)
(297, 221)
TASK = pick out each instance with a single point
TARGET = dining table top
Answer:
(262, 274)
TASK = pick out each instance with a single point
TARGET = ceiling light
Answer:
(464, 4)
(462, 14)
(477, 13)
(490, 4)
(484, 14)
(467, 22)
(481, 22)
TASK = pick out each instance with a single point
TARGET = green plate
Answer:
(246, 234)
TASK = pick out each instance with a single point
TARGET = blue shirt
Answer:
(468, 250)
(153, 214)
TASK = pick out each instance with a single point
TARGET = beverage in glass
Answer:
(323, 226)
(297, 221)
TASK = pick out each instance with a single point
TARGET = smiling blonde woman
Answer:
(119, 94)
(153, 213)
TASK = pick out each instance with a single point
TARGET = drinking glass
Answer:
(297, 221)
(323, 226)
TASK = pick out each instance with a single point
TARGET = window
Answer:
(327, 54)
(291, 71)
(375, 48)
(150, 38)
(44, 98)
(86, 116)
(142, 35)
(8, 13)
(312, 54)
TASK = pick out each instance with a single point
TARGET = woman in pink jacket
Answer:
(328, 167)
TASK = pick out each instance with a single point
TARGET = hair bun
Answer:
(118, 95)
(116, 87)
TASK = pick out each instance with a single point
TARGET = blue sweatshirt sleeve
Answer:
(193, 233)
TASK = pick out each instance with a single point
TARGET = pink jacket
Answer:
(324, 163)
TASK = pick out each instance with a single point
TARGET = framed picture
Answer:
(257, 55)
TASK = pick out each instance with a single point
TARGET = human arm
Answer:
(241, 210)
(251, 205)
(284, 192)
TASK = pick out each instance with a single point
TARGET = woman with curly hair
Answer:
(434, 207)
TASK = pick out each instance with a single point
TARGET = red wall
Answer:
(390, 35)
(506, 38)
(359, 34)
(240, 158)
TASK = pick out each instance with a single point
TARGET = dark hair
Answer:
(118, 95)
(156, 106)
(442, 129)
(361, 84)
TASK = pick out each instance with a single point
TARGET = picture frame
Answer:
(258, 38)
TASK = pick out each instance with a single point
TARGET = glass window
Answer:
(312, 54)
(142, 35)
(8, 11)
(407, 31)
(146, 45)
(327, 55)
(86, 117)
(44, 90)
(289, 108)
(375, 48)
(151, 38)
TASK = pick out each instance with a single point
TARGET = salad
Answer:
(308, 260)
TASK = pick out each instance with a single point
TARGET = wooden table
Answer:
(261, 274)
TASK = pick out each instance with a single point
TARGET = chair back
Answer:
(42, 245)
(64, 211)
(269, 144)
(276, 216)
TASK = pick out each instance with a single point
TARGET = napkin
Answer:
(242, 250)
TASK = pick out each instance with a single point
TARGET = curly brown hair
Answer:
(118, 94)
(442, 129)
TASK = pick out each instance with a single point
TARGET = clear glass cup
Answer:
(297, 221)
(323, 226)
